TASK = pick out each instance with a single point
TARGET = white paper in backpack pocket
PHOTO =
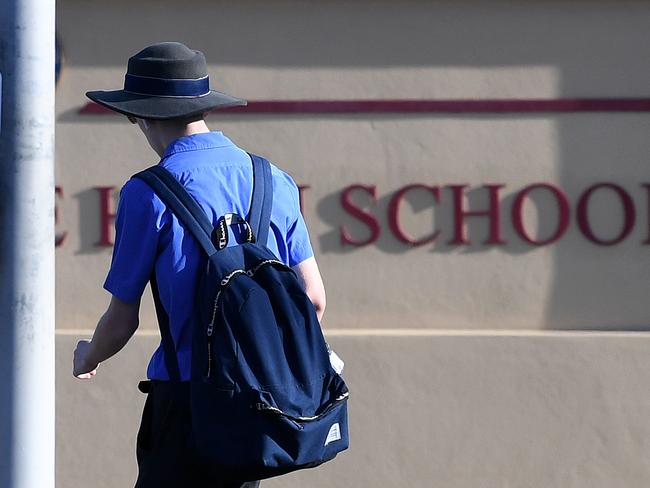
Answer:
(336, 362)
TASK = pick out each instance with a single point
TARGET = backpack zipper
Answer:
(209, 332)
(265, 407)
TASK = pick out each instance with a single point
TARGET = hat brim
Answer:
(160, 108)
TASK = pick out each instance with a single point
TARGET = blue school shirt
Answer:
(149, 238)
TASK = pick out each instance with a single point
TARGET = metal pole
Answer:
(27, 244)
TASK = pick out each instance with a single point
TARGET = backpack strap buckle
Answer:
(220, 233)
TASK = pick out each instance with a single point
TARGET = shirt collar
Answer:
(207, 140)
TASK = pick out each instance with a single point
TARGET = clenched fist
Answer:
(82, 368)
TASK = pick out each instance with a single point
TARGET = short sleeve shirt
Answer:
(149, 238)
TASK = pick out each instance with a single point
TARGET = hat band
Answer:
(165, 87)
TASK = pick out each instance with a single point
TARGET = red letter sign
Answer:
(492, 213)
(365, 217)
(629, 214)
(301, 192)
(106, 215)
(393, 214)
(563, 214)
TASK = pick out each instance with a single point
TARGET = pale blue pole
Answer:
(27, 244)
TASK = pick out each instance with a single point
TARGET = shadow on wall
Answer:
(596, 285)
(306, 38)
(370, 34)
(91, 229)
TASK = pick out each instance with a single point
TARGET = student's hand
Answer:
(81, 368)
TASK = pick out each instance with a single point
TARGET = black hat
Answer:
(165, 81)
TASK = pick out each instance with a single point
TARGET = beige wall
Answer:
(483, 392)
(395, 50)
(520, 411)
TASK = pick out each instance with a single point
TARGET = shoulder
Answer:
(135, 188)
(283, 180)
(286, 196)
(137, 195)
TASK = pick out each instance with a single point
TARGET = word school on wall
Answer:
(359, 202)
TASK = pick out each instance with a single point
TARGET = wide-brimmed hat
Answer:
(165, 81)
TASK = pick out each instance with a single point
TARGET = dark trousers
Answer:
(165, 449)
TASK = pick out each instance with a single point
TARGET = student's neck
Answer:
(167, 135)
(198, 127)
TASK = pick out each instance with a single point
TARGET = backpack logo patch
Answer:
(334, 434)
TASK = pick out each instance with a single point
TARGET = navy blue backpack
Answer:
(264, 398)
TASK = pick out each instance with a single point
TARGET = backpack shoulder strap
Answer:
(187, 210)
(259, 216)
(181, 203)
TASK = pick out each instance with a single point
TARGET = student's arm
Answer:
(113, 331)
(312, 283)
(137, 226)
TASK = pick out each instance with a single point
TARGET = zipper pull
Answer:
(209, 360)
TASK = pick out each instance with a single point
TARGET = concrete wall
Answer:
(470, 365)
(528, 410)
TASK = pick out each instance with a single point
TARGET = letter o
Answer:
(629, 214)
(564, 214)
